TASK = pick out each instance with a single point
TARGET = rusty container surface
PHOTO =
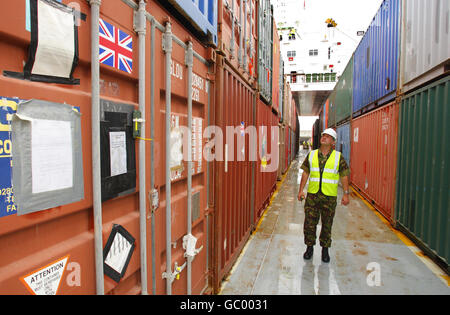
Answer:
(201, 102)
(237, 36)
(287, 148)
(32, 241)
(234, 114)
(281, 153)
(374, 139)
(266, 168)
(276, 97)
(287, 102)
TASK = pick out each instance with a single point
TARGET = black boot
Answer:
(325, 255)
(309, 252)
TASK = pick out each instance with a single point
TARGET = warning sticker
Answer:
(46, 280)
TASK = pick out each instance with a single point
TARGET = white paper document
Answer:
(56, 49)
(118, 152)
(51, 155)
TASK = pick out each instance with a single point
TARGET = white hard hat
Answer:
(330, 132)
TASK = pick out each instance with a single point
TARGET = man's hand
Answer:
(345, 200)
(301, 195)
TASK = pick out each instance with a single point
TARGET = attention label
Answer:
(46, 280)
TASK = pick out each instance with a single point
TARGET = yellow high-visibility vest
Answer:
(330, 175)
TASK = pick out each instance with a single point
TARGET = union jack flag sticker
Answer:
(116, 47)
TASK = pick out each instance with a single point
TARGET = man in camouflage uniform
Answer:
(320, 204)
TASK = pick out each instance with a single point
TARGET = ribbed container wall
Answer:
(376, 60)
(332, 109)
(237, 36)
(266, 167)
(234, 175)
(344, 93)
(68, 229)
(422, 202)
(282, 156)
(374, 156)
(425, 42)
(276, 95)
(265, 50)
(343, 141)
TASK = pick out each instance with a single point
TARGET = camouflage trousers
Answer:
(319, 206)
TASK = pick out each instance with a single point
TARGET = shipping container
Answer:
(282, 156)
(422, 198)
(265, 50)
(425, 38)
(343, 141)
(344, 93)
(287, 103)
(374, 157)
(201, 15)
(267, 164)
(325, 113)
(332, 110)
(276, 95)
(234, 175)
(237, 36)
(112, 197)
(376, 60)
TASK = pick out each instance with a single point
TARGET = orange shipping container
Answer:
(238, 36)
(276, 70)
(374, 140)
(32, 241)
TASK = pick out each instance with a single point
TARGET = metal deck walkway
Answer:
(367, 255)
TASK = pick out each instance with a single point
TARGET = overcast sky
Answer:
(350, 15)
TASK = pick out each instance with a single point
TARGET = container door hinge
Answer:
(189, 242)
(175, 275)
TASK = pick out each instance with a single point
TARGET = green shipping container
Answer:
(332, 109)
(344, 93)
(423, 173)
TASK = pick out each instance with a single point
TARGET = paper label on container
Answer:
(51, 158)
(46, 280)
(56, 50)
(356, 135)
(118, 152)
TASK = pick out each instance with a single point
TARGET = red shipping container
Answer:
(239, 48)
(233, 182)
(266, 168)
(32, 241)
(374, 140)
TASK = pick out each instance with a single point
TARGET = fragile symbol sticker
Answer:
(46, 280)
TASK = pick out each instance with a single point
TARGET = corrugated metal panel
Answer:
(265, 49)
(265, 179)
(276, 96)
(239, 48)
(202, 15)
(374, 156)
(376, 59)
(425, 41)
(332, 109)
(68, 229)
(343, 141)
(344, 93)
(423, 182)
(234, 179)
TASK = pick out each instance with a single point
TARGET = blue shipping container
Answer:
(343, 141)
(201, 13)
(376, 59)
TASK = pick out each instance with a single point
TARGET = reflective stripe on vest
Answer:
(330, 175)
